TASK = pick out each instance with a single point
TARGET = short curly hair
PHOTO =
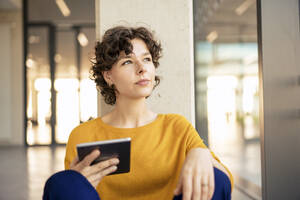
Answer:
(114, 41)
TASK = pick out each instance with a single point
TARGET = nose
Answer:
(140, 67)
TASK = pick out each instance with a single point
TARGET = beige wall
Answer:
(172, 22)
(11, 67)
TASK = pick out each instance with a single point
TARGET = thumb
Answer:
(74, 162)
(178, 189)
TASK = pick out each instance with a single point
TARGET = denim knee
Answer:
(67, 185)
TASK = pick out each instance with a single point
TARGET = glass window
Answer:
(60, 39)
(76, 94)
(226, 73)
(38, 87)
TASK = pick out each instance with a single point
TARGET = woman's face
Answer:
(134, 74)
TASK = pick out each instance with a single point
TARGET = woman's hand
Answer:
(196, 181)
(96, 172)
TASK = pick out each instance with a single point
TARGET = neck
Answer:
(131, 113)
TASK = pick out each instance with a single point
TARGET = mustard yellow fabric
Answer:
(158, 151)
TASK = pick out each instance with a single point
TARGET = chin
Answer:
(144, 95)
(138, 94)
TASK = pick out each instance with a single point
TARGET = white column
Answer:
(11, 78)
(5, 67)
(172, 21)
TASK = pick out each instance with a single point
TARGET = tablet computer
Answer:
(117, 148)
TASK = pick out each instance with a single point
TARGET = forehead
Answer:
(139, 47)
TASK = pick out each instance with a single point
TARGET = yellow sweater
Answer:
(158, 151)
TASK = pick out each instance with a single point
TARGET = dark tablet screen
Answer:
(118, 148)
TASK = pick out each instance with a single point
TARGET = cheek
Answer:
(152, 70)
(119, 76)
(153, 75)
(122, 81)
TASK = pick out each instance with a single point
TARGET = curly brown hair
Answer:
(114, 41)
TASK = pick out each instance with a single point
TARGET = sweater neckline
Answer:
(130, 130)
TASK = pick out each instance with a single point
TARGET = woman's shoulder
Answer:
(85, 128)
(87, 125)
(175, 118)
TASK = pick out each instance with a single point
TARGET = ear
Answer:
(107, 77)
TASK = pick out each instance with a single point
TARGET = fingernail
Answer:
(116, 161)
(115, 168)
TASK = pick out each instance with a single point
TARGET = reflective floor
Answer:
(240, 154)
(25, 170)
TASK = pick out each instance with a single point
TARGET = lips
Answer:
(143, 82)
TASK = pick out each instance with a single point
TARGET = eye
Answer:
(148, 59)
(127, 62)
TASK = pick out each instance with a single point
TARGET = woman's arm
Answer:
(196, 179)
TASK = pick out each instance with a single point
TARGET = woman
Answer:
(167, 155)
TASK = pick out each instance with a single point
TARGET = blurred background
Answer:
(59, 95)
(226, 81)
(60, 44)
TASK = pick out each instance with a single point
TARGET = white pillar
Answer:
(11, 78)
(5, 67)
(172, 21)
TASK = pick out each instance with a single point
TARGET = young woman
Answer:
(168, 158)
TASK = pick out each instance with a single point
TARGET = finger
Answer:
(105, 172)
(211, 184)
(104, 164)
(74, 162)
(178, 188)
(204, 188)
(90, 158)
(96, 178)
(187, 187)
(196, 187)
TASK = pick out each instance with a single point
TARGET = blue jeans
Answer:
(71, 185)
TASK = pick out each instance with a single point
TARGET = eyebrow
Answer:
(129, 55)
(146, 54)
(126, 56)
